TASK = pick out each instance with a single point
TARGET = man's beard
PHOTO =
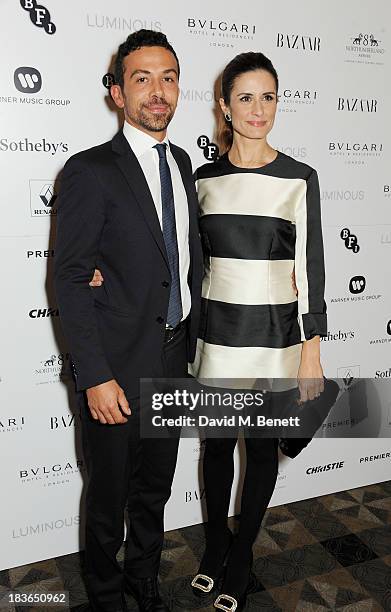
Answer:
(153, 122)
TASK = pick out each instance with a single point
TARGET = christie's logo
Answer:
(357, 105)
(43, 195)
(350, 240)
(210, 149)
(337, 465)
(39, 15)
(39, 313)
(341, 336)
(27, 79)
(298, 42)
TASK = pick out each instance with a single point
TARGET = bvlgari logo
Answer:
(365, 48)
(291, 99)
(298, 42)
(220, 30)
(52, 473)
(356, 105)
(355, 152)
(11, 424)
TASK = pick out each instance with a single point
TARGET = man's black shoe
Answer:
(146, 593)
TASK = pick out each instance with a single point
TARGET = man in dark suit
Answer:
(129, 208)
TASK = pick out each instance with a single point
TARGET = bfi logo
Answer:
(210, 149)
(39, 15)
(350, 240)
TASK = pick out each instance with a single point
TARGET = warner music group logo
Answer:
(355, 152)
(28, 80)
(39, 15)
(43, 195)
(364, 48)
(384, 339)
(357, 285)
(220, 33)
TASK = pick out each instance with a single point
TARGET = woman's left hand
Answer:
(310, 375)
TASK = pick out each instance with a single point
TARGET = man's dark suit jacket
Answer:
(107, 219)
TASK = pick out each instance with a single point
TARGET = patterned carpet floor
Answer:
(326, 553)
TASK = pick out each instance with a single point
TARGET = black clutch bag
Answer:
(312, 413)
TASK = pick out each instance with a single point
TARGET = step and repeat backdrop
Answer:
(333, 62)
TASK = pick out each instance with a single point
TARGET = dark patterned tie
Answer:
(175, 312)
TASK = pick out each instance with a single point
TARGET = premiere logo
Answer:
(210, 149)
(39, 15)
(350, 240)
(27, 79)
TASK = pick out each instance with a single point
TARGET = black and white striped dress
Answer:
(257, 226)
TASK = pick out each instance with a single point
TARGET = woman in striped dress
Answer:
(260, 223)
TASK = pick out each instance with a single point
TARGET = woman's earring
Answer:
(228, 117)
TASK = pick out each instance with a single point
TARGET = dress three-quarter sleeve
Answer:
(309, 262)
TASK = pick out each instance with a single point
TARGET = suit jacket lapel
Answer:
(132, 171)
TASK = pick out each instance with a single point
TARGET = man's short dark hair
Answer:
(141, 38)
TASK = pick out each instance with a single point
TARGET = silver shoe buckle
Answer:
(221, 606)
(197, 585)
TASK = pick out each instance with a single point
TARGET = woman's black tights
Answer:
(258, 487)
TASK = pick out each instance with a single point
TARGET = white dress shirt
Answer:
(143, 147)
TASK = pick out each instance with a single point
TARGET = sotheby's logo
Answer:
(27, 79)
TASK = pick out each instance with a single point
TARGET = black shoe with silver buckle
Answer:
(207, 578)
(229, 603)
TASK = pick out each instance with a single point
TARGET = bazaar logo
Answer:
(298, 42)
